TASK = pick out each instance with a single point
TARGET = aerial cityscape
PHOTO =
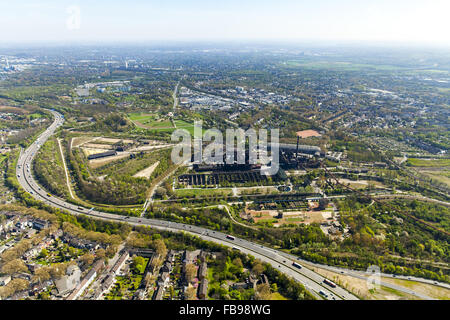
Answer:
(226, 169)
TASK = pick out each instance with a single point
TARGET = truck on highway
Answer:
(229, 237)
(330, 283)
(297, 265)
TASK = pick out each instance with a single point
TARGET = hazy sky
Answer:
(138, 20)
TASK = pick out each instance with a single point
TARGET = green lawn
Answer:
(140, 116)
(181, 124)
(414, 162)
(278, 296)
(151, 121)
(294, 219)
(181, 193)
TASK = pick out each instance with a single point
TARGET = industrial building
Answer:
(102, 155)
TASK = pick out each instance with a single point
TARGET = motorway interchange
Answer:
(280, 260)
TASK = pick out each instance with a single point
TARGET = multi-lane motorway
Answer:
(283, 262)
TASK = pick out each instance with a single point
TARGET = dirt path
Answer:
(65, 169)
(147, 172)
(153, 189)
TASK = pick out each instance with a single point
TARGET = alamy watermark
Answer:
(374, 280)
(73, 21)
(236, 143)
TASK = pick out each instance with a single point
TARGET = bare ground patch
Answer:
(147, 172)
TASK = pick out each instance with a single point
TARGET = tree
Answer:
(149, 278)
(258, 268)
(274, 287)
(43, 254)
(236, 266)
(263, 292)
(160, 192)
(111, 251)
(190, 272)
(138, 264)
(160, 247)
(14, 266)
(156, 262)
(41, 274)
(100, 254)
(15, 285)
(87, 258)
(238, 262)
(190, 293)
(57, 271)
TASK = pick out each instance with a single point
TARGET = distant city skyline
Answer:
(402, 21)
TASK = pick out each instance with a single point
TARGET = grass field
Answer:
(414, 162)
(181, 193)
(430, 290)
(294, 219)
(150, 121)
(181, 124)
(277, 296)
(338, 65)
(440, 175)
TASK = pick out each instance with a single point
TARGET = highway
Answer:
(279, 260)
(312, 281)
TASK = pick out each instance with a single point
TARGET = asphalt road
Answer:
(280, 260)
